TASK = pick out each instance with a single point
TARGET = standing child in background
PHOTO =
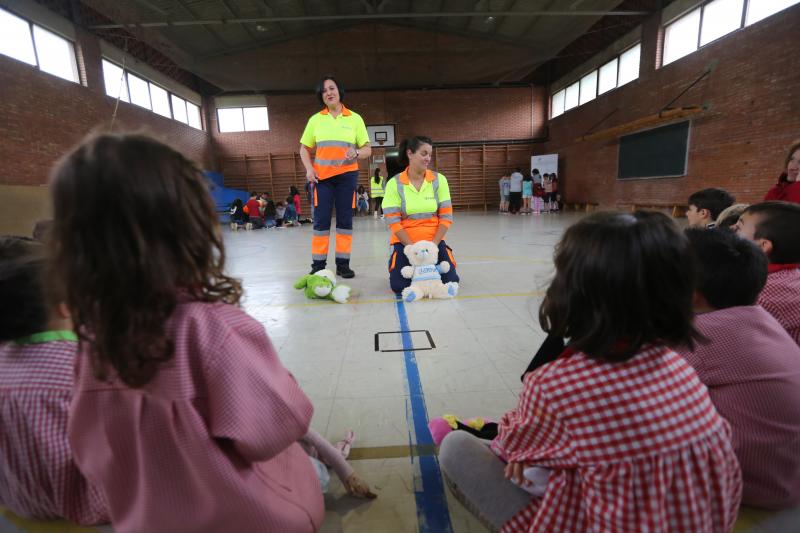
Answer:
(505, 191)
(547, 183)
(362, 201)
(377, 189)
(538, 198)
(182, 413)
(38, 477)
(527, 194)
(556, 197)
(295, 195)
(627, 430)
(290, 216)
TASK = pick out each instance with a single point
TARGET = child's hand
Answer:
(358, 487)
(513, 473)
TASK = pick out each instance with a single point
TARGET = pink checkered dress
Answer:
(781, 297)
(210, 444)
(38, 478)
(634, 446)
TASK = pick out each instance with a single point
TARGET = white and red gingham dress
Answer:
(634, 446)
(781, 297)
(38, 477)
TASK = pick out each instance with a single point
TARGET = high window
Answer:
(37, 46)
(621, 70)
(132, 88)
(714, 19)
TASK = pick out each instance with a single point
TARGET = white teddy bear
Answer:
(425, 274)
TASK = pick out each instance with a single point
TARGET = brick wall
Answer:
(444, 115)
(42, 116)
(739, 144)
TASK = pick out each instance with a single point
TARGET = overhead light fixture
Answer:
(489, 20)
(261, 27)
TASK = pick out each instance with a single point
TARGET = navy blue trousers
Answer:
(397, 260)
(339, 192)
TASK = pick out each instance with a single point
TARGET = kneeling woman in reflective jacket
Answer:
(417, 207)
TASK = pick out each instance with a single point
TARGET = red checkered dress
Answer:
(38, 477)
(781, 297)
(634, 446)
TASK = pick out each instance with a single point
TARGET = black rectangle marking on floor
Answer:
(416, 348)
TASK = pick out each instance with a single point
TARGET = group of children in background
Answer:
(261, 212)
(135, 389)
(526, 195)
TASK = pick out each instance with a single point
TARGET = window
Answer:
(629, 65)
(37, 46)
(571, 99)
(129, 87)
(680, 37)
(608, 77)
(179, 109)
(589, 87)
(712, 20)
(557, 104)
(761, 9)
(56, 55)
(160, 99)
(230, 120)
(139, 90)
(255, 119)
(720, 17)
(193, 113)
(619, 71)
(114, 79)
(234, 119)
(15, 38)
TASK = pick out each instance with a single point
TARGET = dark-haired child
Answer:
(626, 428)
(182, 415)
(238, 216)
(38, 477)
(749, 364)
(775, 228)
(706, 205)
(253, 210)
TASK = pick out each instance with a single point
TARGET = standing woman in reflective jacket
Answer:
(417, 207)
(339, 138)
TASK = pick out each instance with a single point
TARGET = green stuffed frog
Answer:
(322, 284)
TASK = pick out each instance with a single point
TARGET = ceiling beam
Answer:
(230, 10)
(270, 11)
(370, 16)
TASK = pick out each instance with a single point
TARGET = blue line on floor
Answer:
(432, 512)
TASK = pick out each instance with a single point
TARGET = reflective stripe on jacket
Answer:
(417, 212)
(331, 137)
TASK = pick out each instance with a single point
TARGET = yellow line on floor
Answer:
(391, 452)
(317, 303)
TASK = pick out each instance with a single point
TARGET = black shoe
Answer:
(344, 271)
(316, 268)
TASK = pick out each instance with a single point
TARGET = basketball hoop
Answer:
(380, 142)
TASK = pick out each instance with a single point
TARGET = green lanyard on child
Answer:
(48, 336)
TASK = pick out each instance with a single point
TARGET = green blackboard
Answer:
(657, 153)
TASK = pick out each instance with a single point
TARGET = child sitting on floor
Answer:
(38, 477)
(749, 364)
(628, 432)
(775, 228)
(182, 414)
